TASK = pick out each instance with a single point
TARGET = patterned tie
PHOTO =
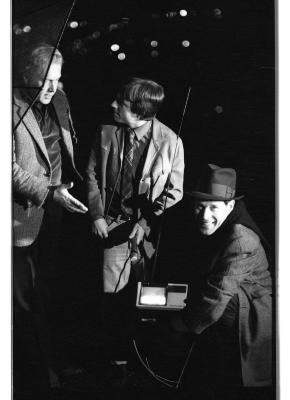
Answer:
(127, 184)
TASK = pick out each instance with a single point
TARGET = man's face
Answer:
(210, 215)
(122, 113)
(50, 85)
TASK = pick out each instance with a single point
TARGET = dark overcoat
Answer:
(236, 264)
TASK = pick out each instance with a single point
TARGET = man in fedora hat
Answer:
(229, 305)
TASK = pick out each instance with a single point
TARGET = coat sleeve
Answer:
(173, 189)
(232, 268)
(93, 179)
(27, 186)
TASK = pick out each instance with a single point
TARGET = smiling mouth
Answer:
(206, 224)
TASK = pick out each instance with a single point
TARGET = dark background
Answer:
(229, 119)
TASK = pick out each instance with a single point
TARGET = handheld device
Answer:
(169, 296)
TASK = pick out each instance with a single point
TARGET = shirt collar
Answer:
(142, 130)
(29, 97)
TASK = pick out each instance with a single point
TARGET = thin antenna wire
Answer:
(167, 186)
(49, 64)
(185, 364)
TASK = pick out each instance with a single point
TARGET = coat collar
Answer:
(29, 121)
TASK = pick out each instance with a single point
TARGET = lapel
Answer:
(119, 134)
(154, 146)
(62, 112)
(31, 125)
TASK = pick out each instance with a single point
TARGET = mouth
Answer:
(205, 224)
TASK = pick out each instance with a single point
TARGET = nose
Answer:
(51, 86)
(206, 214)
(114, 105)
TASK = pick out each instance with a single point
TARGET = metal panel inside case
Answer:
(164, 297)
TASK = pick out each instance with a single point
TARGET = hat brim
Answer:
(206, 196)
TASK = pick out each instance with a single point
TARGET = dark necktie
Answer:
(127, 184)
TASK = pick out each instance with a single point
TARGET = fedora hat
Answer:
(216, 184)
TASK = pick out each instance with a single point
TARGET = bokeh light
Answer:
(27, 29)
(185, 43)
(183, 13)
(115, 47)
(73, 24)
(121, 56)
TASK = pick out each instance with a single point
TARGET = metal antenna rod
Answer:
(167, 186)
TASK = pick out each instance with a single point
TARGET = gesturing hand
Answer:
(66, 200)
(100, 228)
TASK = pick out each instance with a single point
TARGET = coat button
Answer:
(47, 173)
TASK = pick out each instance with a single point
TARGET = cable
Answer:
(148, 369)
(123, 269)
(174, 384)
(167, 186)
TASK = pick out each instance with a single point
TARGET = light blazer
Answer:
(31, 169)
(164, 160)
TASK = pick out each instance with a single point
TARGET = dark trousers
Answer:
(119, 322)
(215, 361)
(31, 334)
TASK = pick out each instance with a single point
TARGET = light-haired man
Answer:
(42, 173)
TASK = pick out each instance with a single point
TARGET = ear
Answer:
(231, 204)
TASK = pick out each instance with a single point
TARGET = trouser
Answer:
(31, 335)
(120, 289)
(31, 341)
(117, 252)
(119, 317)
(215, 361)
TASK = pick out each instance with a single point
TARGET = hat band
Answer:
(219, 190)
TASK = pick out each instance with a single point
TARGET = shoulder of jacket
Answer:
(167, 133)
(60, 95)
(108, 129)
(243, 236)
(17, 98)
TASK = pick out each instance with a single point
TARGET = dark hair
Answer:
(39, 59)
(145, 96)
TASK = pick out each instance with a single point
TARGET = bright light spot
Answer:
(183, 13)
(27, 29)
(153, 43)
(153, 296)
(219, 109)
(154, 53)
(73, 24)
(115, 47)
(185, 43)
(121, 56)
